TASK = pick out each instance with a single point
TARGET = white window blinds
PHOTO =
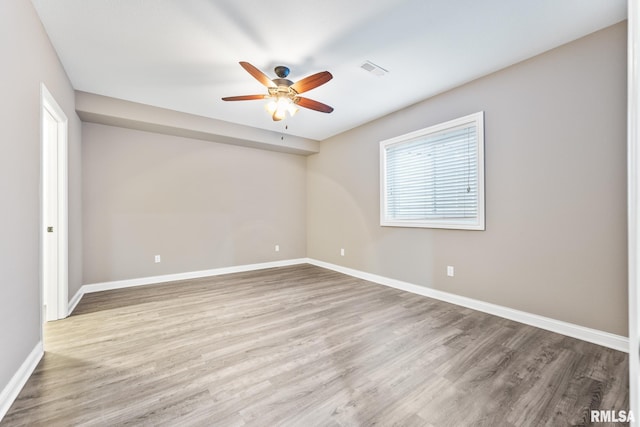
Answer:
(431, 178)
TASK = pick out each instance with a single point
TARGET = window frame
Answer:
(477, 223)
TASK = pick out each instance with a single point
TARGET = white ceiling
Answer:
(183, 54)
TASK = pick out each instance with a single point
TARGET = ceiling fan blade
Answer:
(244, 97)
(312, 81)
(257, 74)
(314, 105)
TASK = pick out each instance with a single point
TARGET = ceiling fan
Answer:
(283, 93)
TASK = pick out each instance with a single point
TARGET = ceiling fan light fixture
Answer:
(278, 106)
(271, 106)
(279, 115)
(292, 109)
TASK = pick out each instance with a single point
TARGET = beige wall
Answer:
(27, 60)
(555, 239)
(198, 204)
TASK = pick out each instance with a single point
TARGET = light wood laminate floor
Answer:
(304, 346)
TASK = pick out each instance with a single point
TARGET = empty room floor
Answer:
(305, 346)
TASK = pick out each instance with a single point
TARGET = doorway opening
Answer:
(54, 206)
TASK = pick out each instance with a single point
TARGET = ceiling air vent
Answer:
(374, 69)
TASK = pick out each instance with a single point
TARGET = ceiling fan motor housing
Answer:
(282, 90)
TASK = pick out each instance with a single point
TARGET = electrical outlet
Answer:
(341, 251)
(157, 258)
(450, 271)
(277, 248)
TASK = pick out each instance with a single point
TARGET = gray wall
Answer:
(555, 239)
(198, 204)
(27, 60)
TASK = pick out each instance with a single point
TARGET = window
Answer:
(434, 177)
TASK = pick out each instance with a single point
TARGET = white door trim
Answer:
(49, 104)
(633, 169)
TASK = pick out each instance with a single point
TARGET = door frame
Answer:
(61, 306)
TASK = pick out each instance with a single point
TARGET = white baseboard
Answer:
(19, 379)
(119, 284)
(595, 336)
(75, 300)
